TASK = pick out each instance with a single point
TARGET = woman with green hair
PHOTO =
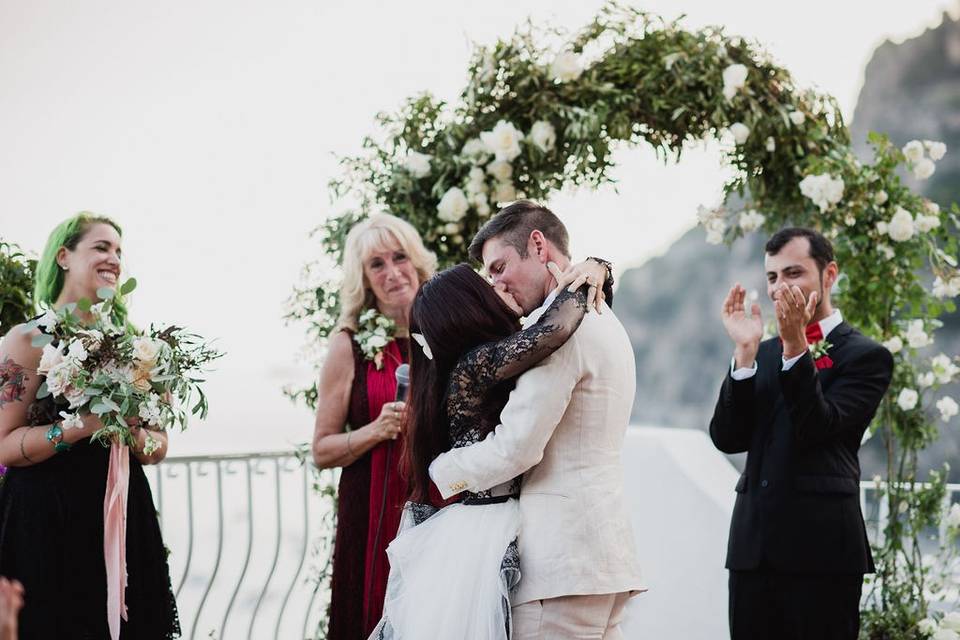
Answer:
(52, 500)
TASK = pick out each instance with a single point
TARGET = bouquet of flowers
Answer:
(125, 376)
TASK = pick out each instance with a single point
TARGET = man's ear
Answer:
(537, 246)
(830, 274)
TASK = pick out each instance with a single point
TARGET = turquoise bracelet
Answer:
(55, 435)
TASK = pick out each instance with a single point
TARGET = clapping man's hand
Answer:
(745, 329)
(793, 313)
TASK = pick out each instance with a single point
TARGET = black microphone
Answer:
(403, 382)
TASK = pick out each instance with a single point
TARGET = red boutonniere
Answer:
(819, 351)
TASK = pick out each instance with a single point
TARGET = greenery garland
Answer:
(540, 112)
(16, 286)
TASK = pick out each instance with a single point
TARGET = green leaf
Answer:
(105, 293)
(41, 340)
(42, 391)
(84, 304)
(128, 286)
(99, 408)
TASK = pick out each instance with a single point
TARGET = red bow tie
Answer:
(814, 333)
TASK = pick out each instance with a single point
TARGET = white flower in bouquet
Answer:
(751, 220)
(948, 408)
(60, 376)
(927, 223)
(913, 151)
(797, 117)
(740, 132)
(887, 251)
(936, 150)
(924, 169)
(946, 288)
(150, 410)
(503, 141)
(901, 227)
(70, 421)
(771, 144)
(48, 320)
(146, 350)
(453, 205)
(734, 79)
(76, 351)
(894, 344)
(474, 149)
(376, 342)
(543, 136)
(417, 164)
(907, 399)
(51, 357)
(926, 380)
(952, 619)
(916, 336)
(566, 66)
(943, 368)
(880, 198)
(501, 170)
(823, 189)
(504, 192)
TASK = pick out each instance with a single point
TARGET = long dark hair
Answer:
(457, 311)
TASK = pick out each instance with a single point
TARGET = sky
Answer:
(209, 130)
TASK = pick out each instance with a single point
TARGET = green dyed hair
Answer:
(49, 278)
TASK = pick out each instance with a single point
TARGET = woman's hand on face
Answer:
(588, 272)
(389, 423)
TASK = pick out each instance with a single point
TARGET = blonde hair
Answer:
(376, 233)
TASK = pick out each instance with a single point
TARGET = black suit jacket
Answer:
(798, 501)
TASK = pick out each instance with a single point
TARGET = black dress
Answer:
(51, 540)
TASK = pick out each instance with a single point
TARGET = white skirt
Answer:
(446, 580)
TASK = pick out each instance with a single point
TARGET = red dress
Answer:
(371, 495)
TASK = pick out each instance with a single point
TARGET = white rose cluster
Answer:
(751, 220)
(566, 67)
(824, 190)
(943, 369)
(946, 288)
(453, 205)
(947, 407)
(714, 222)
(921, 157)
(901, 226)
(417, 164)
(916, 336)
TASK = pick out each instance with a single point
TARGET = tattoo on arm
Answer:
(13, 380)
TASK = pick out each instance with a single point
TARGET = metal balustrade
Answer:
(240, 529)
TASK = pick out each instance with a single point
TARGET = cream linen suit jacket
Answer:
(563, 427)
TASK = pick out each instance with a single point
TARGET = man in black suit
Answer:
(798, 546)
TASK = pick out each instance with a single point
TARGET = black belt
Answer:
(490, 499)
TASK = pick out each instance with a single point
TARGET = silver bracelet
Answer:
(22, 451)
(349, 450)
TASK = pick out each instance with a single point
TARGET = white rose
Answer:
(900, 228)
(943, 368)
(453, 205)
(907, 399)
(927, 223)
(925, 380)
(451, 228)
(751, 220)
(913, 151)
(924, 169)
(771, 144)
(501, 170)
(880, 198)
(932, 207)
(77, 351)
(946, 289)
(477, 177)
(734, 79)
(936, 150)
(417, 164)
(70, 421)
(740, 132)
(882, 228)
(59, 375)
(503, 141)
(566, 66)
(948, 408)
(886, 251)
(952, 619)
(916, 336)
(504, 192)
(474, 149)
(145, 350)
(797, 118)
(894, 344)
(376, 342)
(48, 320)
(823, 189)
(51, 357)
(483, 209)
(543, 136)
(715, 229)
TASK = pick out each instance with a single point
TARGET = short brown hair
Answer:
(515, 223)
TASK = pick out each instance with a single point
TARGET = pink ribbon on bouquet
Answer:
(115, 535)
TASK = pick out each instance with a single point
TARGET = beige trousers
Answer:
(595, 617)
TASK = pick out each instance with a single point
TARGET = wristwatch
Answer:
(55, 435)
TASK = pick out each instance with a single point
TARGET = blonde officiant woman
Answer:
(358, 420)
(52, 501)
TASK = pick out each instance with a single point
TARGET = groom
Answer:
(562, 427)
(798, 547)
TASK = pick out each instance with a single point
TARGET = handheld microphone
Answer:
(403, 382)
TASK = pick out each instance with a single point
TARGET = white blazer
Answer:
(563, 427)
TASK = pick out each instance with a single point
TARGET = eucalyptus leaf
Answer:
(128, 286)
(41, 340)
(105, 293)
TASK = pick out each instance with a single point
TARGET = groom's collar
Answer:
(536, 313)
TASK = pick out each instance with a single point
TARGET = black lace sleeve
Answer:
(495, 362)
